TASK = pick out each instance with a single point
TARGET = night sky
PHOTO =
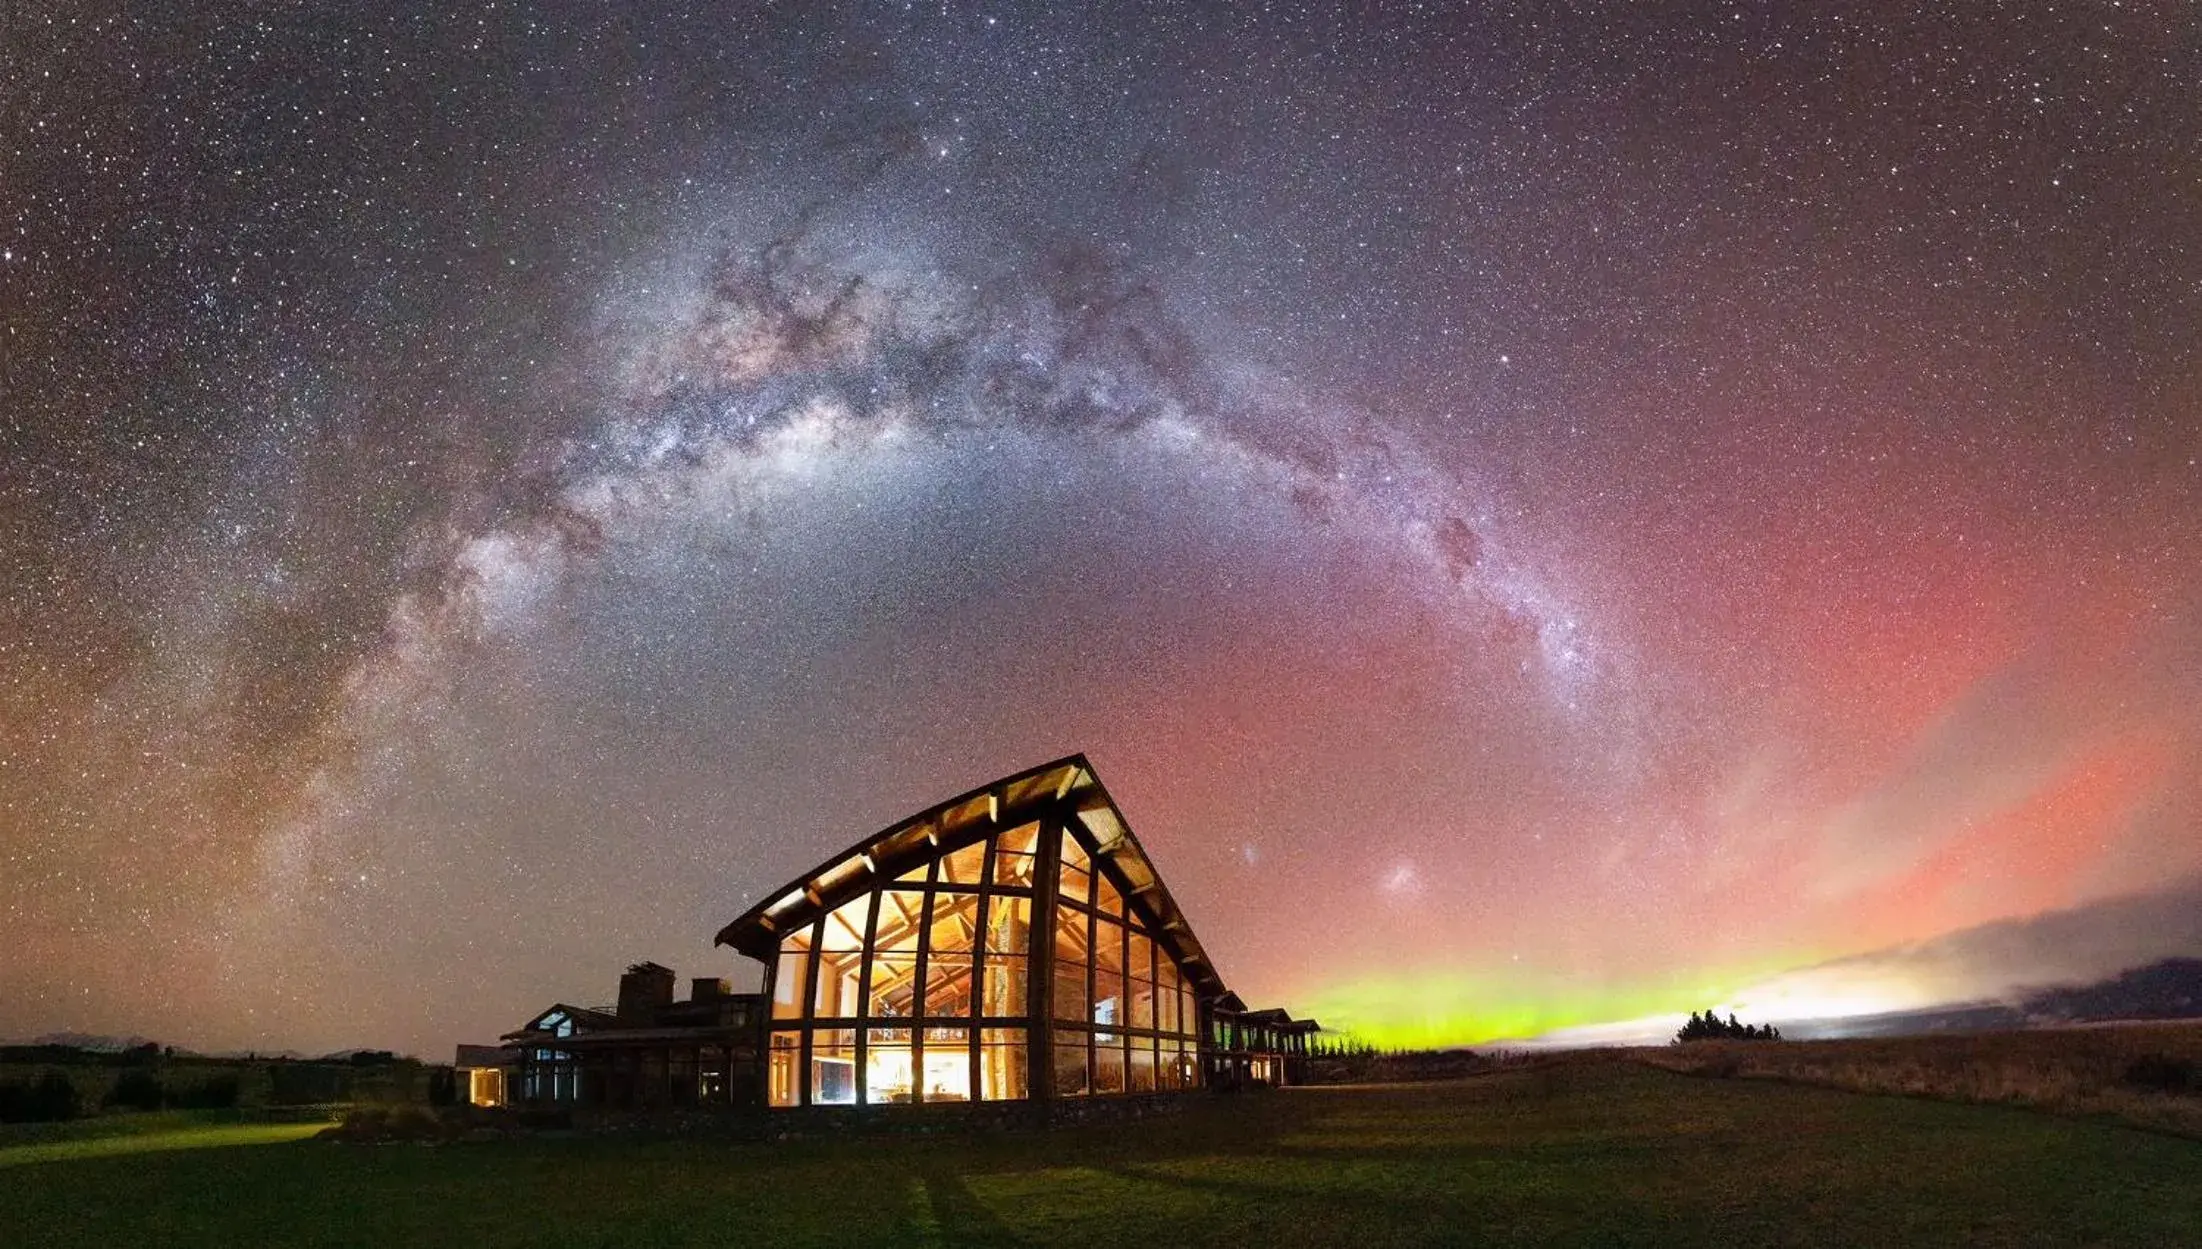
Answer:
(1542, 515)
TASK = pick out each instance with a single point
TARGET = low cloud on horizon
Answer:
(1999, 961)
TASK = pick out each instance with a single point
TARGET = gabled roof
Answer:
(584, 1018)
(485, 1056)
(1277, 1017)
(1067, 785)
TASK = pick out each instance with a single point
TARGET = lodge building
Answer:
(1013, 944)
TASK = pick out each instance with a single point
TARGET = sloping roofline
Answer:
(1278, 1017)
(1066, 787)
(579, 1014)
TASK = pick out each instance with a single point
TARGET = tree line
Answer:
(53, 1097)
(1711, 1027)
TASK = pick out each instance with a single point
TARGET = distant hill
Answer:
(1964, 1017)
(57, 1045)
(2171, 989)
(91, 1043)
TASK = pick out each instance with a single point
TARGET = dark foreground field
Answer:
(1595, 1151)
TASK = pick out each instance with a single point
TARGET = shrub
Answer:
(391, 1123)
(2162, 1073)
(302, 1084)
(55, 1097)
(217, 1092)
(410, 1122)
(48, 1099)
(136, 1089)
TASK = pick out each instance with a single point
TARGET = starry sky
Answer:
(1543, 515)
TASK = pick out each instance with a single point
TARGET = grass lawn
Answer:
(146, 1139)
(1590, 1152)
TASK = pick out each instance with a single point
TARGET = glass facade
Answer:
(1111, 981)
(1013, 944)
(930, 986)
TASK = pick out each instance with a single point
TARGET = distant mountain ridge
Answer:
(2167, 989)
(2170, 989)
(101, 1045)
(91, 1043)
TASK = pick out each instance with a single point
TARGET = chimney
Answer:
(707, 988)
(645, 990)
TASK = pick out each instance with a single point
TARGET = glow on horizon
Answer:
(1452, 1009)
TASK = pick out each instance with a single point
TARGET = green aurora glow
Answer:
(1440, 1009)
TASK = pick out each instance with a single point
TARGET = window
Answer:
(1070, 1065)
(951, 933)
(1008, 936)
(1070, 964)
(953, 923)
(711, 1074)
(889, 1076)
(1108, 1063)
(1003, 1072)
(1179, 1063)
(1008, 925)
(1014, 856)
(841, 959)
(947, 1065)
(1167, 1017)
(792, 979)
(965, 866)
(833, 1067)
(1108, 972)
(1106, 899)
(1076, 880)
(783, 1068)
(894, 987)
(1143, 1065)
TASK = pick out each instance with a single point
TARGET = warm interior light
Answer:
(947, 1075)
(486, 1086)
(888, 1075)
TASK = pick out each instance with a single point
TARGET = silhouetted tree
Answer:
(1711, 1027)
(136, 1089)
(216, 1092)
(48, 1099)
